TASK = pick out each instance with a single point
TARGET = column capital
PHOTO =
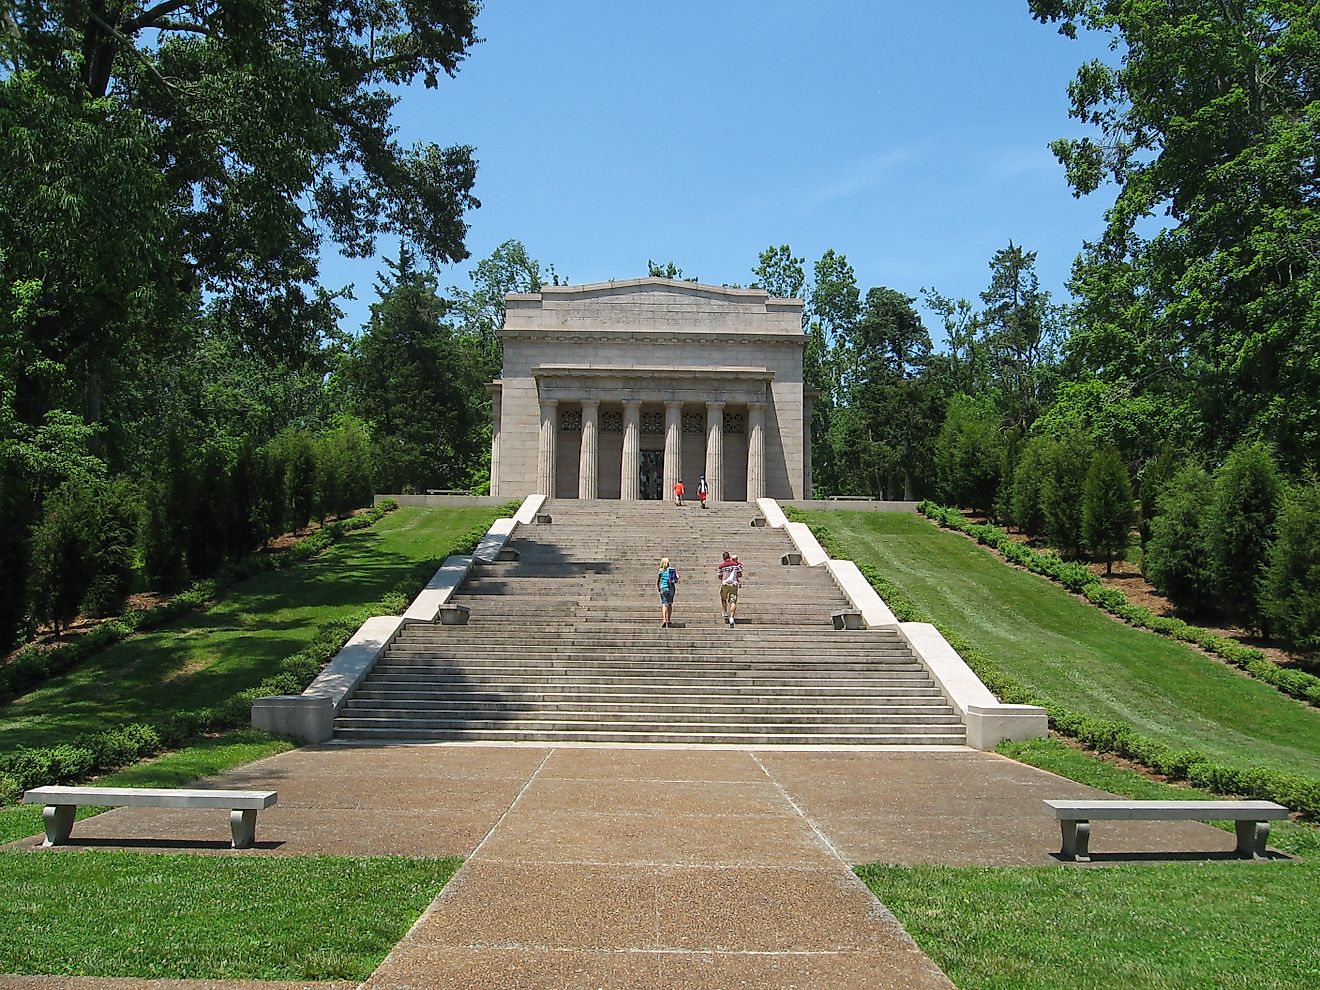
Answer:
(632, 403)
(673, 403)
(590, 403)
(549, 403)
(713, 405)
(756, 406)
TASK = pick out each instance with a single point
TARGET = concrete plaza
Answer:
(634, 867)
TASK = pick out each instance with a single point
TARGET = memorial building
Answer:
(617, 390)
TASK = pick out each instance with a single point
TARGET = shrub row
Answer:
(113, 749)
(32, 665)
(1301, 794)
(1080, 580)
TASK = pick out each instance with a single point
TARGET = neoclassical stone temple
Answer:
(618, 389)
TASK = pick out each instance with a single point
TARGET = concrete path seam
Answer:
(877, 906)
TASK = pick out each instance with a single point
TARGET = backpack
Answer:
(668, 579)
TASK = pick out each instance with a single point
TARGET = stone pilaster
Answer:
(673, 446)
(545, 454)
(496, 414)
(715, 450)
(756, 451)
(630, 489)
(588, 459)
(808, 403)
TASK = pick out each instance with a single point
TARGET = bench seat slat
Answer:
(1095, 810)
(151, 797)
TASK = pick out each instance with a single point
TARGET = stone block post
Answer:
(673, 446)
(756, 451)
(631, 489)
(545, 454)
(715, 450)
(588, 457)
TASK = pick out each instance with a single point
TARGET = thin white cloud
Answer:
(856, 177)
(1008, 164)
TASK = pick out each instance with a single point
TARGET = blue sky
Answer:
(911, 137)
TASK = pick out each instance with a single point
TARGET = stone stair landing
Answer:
(564, 645)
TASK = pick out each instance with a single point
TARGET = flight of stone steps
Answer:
(564, 644)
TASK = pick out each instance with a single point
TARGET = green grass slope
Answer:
(203, 658)
(1079, 656)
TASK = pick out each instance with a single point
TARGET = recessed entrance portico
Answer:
(630, 387)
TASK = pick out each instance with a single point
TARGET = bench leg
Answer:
(243, 826)
(1076, 840)
(59, 823)
(1251, 839)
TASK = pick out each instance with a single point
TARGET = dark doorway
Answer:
(651, 474)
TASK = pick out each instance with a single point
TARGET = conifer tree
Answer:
(1107, 507)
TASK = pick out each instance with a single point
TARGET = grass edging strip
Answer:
(1293, 791)
(32, 665)
(112, 749)
(1081, 581)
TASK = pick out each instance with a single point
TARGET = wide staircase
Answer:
(564, 645)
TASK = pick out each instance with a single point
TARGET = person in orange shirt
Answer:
(678, 492)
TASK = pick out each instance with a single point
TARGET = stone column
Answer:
(587, 458)
(755, 451)
(545, 454)
(673, 446)
(630, 490)
(715, 450)
(807, 403)
(496, 411)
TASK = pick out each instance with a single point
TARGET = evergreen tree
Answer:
(1290, 588)
(1063, 490)
(1242, 520)
(1107, 509)
(969, 453)
(1026, 491)
(62, 565)
(1177, 558)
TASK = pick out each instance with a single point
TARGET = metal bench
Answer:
(62, 803)
(1251, 817)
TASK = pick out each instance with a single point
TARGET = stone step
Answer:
(584, 721)
(892, 714)
(894, 694)
(678, 663)
(385, 700)
(558, 720)
(400, 678)
(737, 737)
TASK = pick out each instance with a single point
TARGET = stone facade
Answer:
(616, 390)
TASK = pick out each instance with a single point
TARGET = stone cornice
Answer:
(685, 336)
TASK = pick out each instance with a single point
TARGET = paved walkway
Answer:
(652, 868)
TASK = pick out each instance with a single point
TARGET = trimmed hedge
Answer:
(113, 749)
(1301, 794)
(1080, 580)
(32, 665)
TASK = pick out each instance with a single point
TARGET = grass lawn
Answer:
(202, 658)
(1079, 656)
(203, 758)
(208, 917)
(1150, 926)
